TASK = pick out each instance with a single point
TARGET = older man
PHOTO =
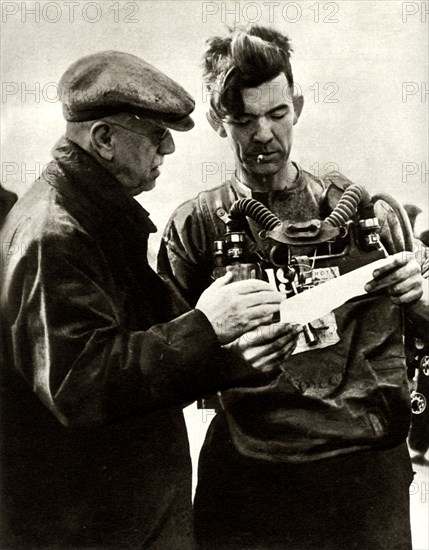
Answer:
(98, 356)
(314, 458)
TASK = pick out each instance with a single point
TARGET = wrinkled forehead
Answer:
(267, 96)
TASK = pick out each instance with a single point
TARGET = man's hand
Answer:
(239, 307)
(402, 277)
(268, 346)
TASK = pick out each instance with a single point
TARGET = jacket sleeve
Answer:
(70, 342)
(184, 258)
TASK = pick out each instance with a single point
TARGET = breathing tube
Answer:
(347, 206)
(254, 210)
(403, 219)
(354, 197)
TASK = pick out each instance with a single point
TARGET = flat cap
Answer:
(111, 82)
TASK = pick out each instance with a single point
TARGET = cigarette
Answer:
(259, 158)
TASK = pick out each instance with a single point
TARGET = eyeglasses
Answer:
(156, 134)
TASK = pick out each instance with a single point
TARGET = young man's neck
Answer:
(284, 179)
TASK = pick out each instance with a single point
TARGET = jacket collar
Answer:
(89, 183)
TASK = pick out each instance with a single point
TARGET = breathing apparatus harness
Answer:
(358, 238)
(348, 238)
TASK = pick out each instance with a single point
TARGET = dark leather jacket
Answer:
(7, 200)
(95, 372)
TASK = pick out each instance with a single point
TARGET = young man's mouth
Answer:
(265, 157)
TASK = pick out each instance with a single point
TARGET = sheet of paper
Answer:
(322, 299)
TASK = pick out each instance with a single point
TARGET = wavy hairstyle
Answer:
(245, 58)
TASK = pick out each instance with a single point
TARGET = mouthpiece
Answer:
(259, 158)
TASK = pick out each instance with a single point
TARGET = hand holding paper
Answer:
(322, 299)
(402, 277)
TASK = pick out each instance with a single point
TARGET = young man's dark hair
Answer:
(245, 59)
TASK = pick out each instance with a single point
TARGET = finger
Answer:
(251, 324)
(250, 339)
(407, 298)
(403, 287)
(260, 311)
(275, 335)
(257, 299)
(276, 362)
(279, 329)
(285, 341)
(269, 362)
(253, 285)
(261, 335)
(222, 281)
(273, 331)
(392, 278)
(276, 366)
(280, 347)
(275, 348)
(397, 260)
(290, 348)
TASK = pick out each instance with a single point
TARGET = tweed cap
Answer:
(112, 82)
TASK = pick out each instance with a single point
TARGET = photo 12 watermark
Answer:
(318, 92)
(22, 172)
(420, 491)
(70, 12)
(415, 11)
(8, 249)
(215, 173)
(416, 170)
(242, 13)
(55, 92)
(415, 91)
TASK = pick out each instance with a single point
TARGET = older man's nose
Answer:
(166, 147)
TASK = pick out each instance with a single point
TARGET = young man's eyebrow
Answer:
(271, 111)
(278, 108)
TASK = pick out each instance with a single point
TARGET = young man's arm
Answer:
(185, 258)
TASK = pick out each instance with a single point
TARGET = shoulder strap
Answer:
(215, 205)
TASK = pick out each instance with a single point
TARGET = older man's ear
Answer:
(102, 140)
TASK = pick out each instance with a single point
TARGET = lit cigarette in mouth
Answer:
(259, 158)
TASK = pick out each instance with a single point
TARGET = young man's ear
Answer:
(216, 125)
(298, 104)
(101, 136)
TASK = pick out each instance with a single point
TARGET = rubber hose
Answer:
(256, 211)
(403, 219)
(348, 205)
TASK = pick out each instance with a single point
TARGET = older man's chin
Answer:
(146, 186)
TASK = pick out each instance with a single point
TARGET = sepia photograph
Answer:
(214, 297)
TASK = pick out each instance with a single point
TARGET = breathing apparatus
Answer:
(348, 238)
(345, 240)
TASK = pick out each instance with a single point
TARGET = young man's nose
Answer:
(263, 132)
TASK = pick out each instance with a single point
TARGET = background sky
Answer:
(361, 66)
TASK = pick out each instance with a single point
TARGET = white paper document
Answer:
(320, 300)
